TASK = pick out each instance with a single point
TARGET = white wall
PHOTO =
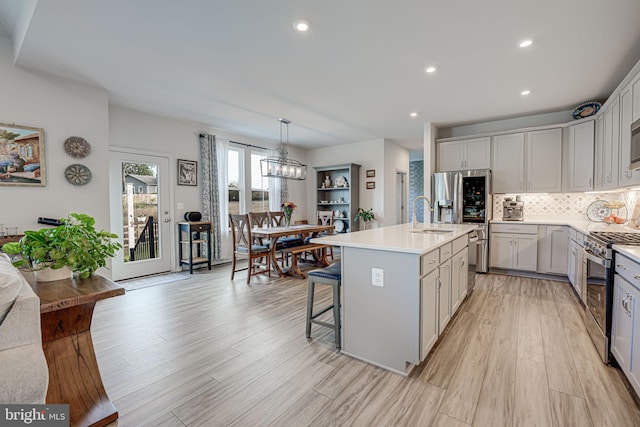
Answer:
(396, 159)
(63, 109)
(382, 156)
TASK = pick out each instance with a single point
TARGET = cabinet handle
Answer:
(590, 179)
(625, 304)
(446, 266)
(439, 283)
(636, 277)
(621, 266)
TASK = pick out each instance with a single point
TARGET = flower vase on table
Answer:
(288, 208)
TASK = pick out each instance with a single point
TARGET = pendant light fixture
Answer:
(282, 166)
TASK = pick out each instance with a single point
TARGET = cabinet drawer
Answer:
(445, 251)
(460, 243)
(429, 262)
(628, 269)
(200, 227)
(514, 228)
(573, 234)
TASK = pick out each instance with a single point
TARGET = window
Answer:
(29, 152)
(259, 185)
(236, 194)
(248, 190)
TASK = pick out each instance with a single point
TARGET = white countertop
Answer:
(632, 252)
(398, 238)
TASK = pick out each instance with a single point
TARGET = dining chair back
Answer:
(259, 219)
(245, 246)
(326, 218)
(277, 218)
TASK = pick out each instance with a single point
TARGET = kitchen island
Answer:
(400, 287)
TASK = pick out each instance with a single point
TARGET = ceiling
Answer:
(354, 76)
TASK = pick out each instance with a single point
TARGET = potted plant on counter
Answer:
(364, 216)
(74, 246)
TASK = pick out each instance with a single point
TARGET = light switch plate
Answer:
(377, 277)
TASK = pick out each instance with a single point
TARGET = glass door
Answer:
(139, 187)
(474, 191)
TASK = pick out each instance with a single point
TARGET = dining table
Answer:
(273, 234)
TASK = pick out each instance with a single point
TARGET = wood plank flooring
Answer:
(212, 352)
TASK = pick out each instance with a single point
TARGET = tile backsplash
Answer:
(566, 204)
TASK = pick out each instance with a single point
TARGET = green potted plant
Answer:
(75, 244)
(364, 216)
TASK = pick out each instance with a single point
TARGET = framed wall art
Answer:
(187, 172)
(21, 155)
(371, 185)
(371, 173)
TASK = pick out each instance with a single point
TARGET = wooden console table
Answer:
(66, 310)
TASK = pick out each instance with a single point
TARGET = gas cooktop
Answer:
(614, 237)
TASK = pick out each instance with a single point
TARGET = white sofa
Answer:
(24, 375)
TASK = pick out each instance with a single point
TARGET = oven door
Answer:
(596, 272)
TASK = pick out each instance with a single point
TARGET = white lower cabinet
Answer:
(444, 295)
(552, 249)
(625, 325)
(459, 278)
(429, 312)
(443, 287)
(514, 247)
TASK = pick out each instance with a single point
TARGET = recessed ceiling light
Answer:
(526, 43)
(525, 92)
(302, 25)
(430, 69)
(414, 114)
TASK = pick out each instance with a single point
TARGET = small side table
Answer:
(66, 311)
(193, 235)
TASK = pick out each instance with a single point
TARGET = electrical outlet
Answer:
(377, 277)
(180, 205)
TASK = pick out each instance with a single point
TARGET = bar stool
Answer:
(331, 276)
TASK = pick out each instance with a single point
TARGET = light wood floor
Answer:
(211, 352)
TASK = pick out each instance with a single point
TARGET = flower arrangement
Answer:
(288, 208)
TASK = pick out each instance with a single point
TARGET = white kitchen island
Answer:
(400, 287)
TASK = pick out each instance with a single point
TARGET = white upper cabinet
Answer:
(598, 160)
(636, 99)
(465, 154)
(626, 176)
(508, 163)
(581, 150)
(611, 144)
(544, 161)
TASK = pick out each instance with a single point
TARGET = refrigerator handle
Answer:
(457, 199)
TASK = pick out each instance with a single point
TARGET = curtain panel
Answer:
(211, 191)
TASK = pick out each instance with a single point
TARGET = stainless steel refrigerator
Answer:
(464, 197)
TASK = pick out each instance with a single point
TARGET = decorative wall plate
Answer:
(77, 174)
(339, 226)
(77, 147)
(598, 210)
(585, 110)
(341, 181)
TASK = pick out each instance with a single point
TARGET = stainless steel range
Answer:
(598, 272)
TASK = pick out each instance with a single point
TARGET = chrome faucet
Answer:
(414, 217)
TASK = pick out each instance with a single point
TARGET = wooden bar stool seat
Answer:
(331, 276)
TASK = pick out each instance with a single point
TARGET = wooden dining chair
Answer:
(245, 246)
(326, 218)
(260, 220)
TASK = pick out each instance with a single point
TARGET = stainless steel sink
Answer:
(430, 231)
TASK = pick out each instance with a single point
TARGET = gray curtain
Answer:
(210, 190)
